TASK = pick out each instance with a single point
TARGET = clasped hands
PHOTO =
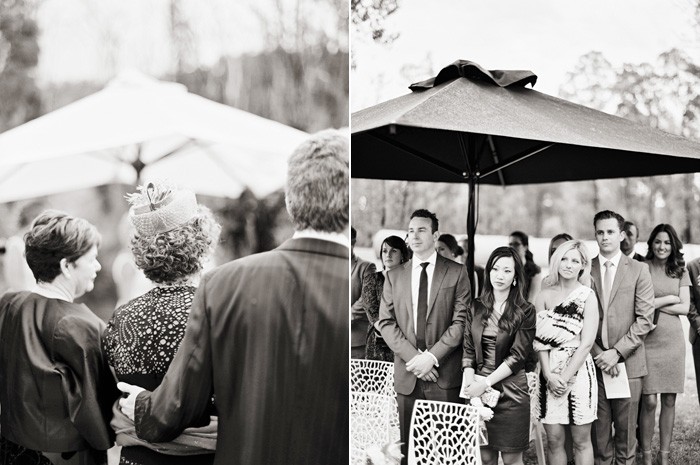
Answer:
(556, 384)
(423, 366)
(607, 362)
(476, 388)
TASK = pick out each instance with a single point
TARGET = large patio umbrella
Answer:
(138, 128)
(469, 125)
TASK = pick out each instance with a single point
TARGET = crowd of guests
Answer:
(588, 322)
(247, 363)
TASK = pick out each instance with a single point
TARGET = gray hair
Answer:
(317, 194)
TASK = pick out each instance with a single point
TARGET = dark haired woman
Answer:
(665, 345)
(447, 246)
(392, 253)
(174, 236)
(520, 242)
(56, 388)
(497, 342)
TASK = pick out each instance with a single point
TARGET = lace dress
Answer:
(140, 342)
(558, 331)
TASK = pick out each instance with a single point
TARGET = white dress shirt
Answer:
(615, 261)
(415, 286)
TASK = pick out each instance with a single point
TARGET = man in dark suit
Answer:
(631, 235)
(694, 317)
(421, 318)
(268, 335)
(360, 271)
(626, 305)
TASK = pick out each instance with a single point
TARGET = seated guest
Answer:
(567, 322)
(56, 388)
(173, 237)
(392, 253)
(497, 343)
(520, 242)
(665, 344)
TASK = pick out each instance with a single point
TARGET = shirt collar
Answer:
(338, 238)
(615, 260)
(431, 260)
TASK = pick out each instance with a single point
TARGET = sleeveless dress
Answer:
(558, 331)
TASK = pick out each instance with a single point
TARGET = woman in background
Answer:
(665, 344)
(520, 242)
(497, 342)
(173, 238)
(56, 388)
(392, 253)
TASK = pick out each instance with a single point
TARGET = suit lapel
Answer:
(597, 283)
(623, 267)
(406, 293)
(438, 275)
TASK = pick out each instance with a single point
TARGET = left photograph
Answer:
(175, 243)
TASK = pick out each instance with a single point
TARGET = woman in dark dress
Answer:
(392, 253)
(497, 341)
(56, 388)
(174, 236)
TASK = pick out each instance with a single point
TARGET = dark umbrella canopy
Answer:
(475, 126)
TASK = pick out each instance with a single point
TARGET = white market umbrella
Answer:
(138, 128)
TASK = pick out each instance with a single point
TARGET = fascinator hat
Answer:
(159, 207)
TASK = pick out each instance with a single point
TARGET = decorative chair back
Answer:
(370, 423)
(444, 433)
(372, 376)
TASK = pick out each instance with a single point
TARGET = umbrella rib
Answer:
(419, 154)
(494, 154)
(518, 158)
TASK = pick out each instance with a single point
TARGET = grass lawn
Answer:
(685, 448)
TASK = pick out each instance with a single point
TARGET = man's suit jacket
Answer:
(359, 272)
(639, 258)
(269, 333)
(447, 311)
(630, 312)
(693, 316)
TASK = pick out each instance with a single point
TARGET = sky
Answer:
(546, 37)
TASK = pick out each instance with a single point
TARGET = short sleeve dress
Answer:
(665, 344)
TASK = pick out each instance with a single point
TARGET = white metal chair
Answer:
(444, 433)
(370, 423)
(372, 376)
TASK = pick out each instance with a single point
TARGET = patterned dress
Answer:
(558, 331)
(140, 342)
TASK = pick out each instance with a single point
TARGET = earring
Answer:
(515, 282)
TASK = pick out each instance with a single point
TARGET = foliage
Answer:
(19, 55)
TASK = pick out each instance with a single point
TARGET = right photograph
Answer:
(525, 270)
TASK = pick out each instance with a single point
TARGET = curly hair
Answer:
(175, 255)
(53, 236)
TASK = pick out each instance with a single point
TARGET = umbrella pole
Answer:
(471, 230)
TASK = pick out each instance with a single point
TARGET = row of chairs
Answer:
(440, 432)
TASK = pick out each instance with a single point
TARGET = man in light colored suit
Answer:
(421, 318)
(694, 317)
(360, 271)
(626, 305)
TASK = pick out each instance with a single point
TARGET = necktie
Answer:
(422, 307)
(607, 288)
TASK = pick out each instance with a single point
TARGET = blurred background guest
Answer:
(520, 242)
(447, 246)
(360, 275)
(556, 241)
(55, 385)
(393, 253)
(173, 238)
(665, 344)
(478, 270)
(499, 331)
(629, 240)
